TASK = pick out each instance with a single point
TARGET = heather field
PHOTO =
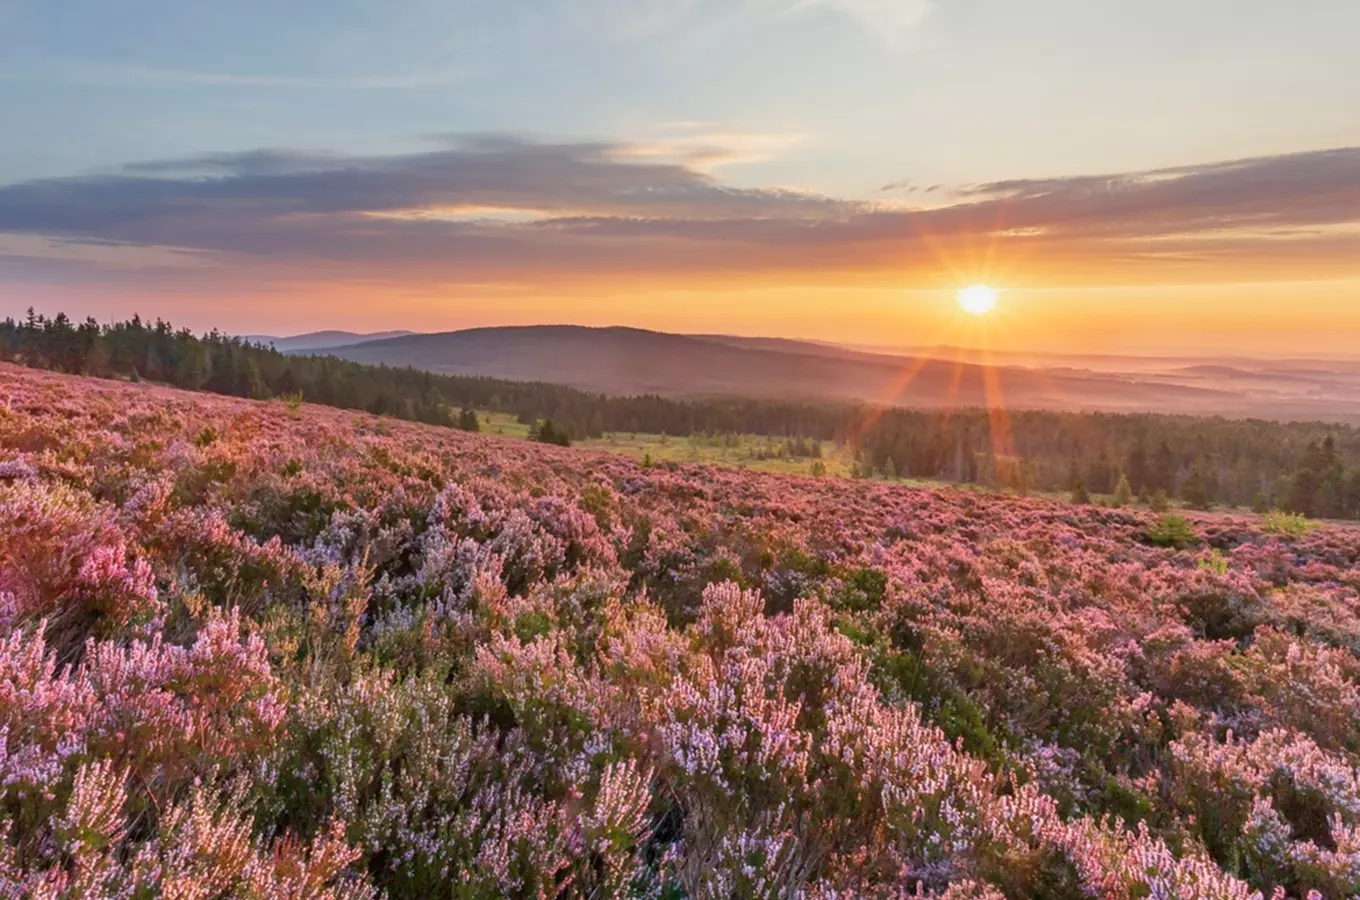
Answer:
(284, 651)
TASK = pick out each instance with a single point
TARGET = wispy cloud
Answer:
(634, 19)
(137, 76)
(909, 187)
(706, 146)
(895, 21)
(99, 253)
(486, 39)
(492, 208)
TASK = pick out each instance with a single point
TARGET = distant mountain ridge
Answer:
(629, 361)
(321, 340)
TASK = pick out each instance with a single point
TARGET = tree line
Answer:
(1309, 468)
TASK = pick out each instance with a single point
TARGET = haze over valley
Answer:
(626, 361)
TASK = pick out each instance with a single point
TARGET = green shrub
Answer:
(865, 589)
(943, 704)
(1080, 495)
(1172, 530)
(531, 625)
(1215, 563)
(545, 432)
(1123, 492)
(1293, 525)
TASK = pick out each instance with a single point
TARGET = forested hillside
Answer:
(1308, 468)
(628, 361)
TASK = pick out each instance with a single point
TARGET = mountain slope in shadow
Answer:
(625, 361)
(320, 340)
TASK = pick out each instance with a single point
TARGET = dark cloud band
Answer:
(484, 206)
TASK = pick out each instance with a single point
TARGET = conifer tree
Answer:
(1123, 492)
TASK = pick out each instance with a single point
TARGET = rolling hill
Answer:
(318, 340)
(627, 361)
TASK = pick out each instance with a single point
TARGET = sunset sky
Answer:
(1160, 176)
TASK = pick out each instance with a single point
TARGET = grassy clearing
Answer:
(756, 453)
(502, 424)
(759, 453)
(745, 452)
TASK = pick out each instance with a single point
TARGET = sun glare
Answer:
(978, 299)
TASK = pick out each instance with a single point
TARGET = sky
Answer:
(1161, 176)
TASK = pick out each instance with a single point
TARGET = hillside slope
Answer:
(628, 361)
(253, 649)
(319, 340)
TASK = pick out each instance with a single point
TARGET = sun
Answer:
(977, 299)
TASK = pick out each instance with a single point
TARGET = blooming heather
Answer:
(254, 650)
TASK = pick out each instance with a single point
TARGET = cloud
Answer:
(705, 147)
(894, 21)
(506, 209)
(632, 20)
(479, 39)
(484, 171)
(1317, 186)
(135, 76)
(97, 254)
